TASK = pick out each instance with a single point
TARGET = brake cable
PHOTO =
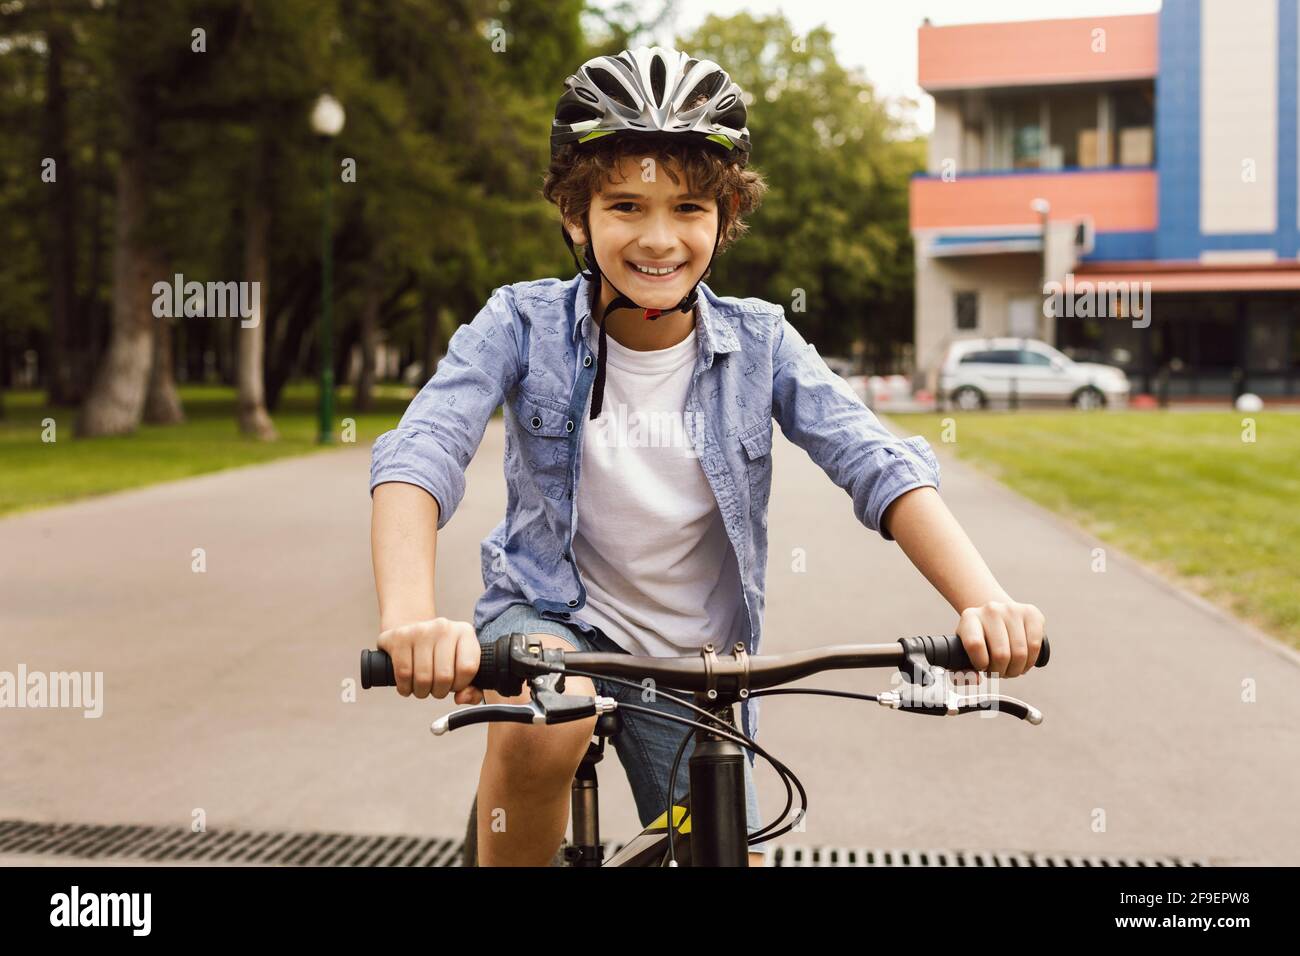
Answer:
(786, 774)
(743, 741)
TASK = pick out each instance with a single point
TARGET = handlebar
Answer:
(505, 664)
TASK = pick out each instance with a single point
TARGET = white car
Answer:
(976, 372)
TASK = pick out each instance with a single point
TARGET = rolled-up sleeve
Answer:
(819, 411)
(443, 426)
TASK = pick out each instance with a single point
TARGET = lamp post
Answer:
(327, 122)
(1042, 207)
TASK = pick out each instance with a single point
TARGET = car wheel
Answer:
(1089, 399)
(968, 398)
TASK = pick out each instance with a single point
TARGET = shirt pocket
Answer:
(757, 444)
(544, 430)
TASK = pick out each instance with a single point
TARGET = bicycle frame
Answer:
(714, 834)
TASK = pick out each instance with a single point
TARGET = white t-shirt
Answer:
(661, 575)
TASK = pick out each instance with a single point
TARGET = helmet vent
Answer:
(704, 91)
(657, 75)
(576, 113)
(725, 103)
(610, 86)
(586, 94)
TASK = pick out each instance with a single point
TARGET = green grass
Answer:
(1181, 491)
(35, 473)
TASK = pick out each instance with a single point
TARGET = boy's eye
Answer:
(631, 207)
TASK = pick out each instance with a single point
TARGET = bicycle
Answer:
(708, 824)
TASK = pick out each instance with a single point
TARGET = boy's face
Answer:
(643, 218)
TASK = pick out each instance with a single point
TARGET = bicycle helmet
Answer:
(647, 90)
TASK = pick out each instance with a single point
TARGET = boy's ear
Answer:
(576, 232)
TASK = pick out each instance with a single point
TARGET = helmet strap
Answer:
(622, 301)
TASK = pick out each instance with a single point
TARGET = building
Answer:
(1152, 154)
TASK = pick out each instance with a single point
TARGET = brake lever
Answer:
(941, 700)
(549, 705)
(486, 713)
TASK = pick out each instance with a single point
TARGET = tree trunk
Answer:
(285, 359)
(163, 402)
(253, 418)
(117, 397)
(93, 312)
(61, 261)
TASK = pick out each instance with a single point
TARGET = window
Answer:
(1034, 358)
(967, 310)
(998, 357)
(1073, 121)
(1134, 122)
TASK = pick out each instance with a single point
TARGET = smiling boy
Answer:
(612, 542)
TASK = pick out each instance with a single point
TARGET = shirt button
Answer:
(537, 422)
(568, 426)
(573, 603)
(586, 361)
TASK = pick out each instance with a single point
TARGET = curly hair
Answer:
(577, 173)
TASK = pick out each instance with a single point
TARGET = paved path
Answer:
(223, 689)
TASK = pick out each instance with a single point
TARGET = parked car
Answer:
(975, 372)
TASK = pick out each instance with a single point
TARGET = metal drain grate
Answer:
(871, 856)
(173, 844)
(158, 844)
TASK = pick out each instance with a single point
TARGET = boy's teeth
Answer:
(655, 272)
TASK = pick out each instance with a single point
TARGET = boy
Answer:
(615, 540)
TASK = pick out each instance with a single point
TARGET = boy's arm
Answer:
(417, 480)
(893, 483)
(1000, 635)
(403, 547)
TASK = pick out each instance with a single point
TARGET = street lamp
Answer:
(327, 122)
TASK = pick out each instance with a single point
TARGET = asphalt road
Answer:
(225, 690)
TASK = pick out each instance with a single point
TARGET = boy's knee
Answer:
(538, 756)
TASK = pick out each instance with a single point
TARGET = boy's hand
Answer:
(437, 655)
(1002, 637)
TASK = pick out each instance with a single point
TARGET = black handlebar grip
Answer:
(376, 670)
(948, 652)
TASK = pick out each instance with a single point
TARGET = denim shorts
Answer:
(646, 746)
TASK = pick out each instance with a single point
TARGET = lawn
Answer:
(1181, 491)
(36, 473)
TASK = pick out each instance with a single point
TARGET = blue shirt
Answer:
(531, 348)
